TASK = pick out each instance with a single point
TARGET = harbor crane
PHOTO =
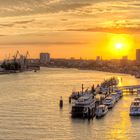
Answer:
(15, 56)
(26, 56)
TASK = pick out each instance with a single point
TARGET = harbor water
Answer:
(29, 107)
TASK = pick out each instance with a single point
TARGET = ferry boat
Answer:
(101, 111)
(135, 108)
(84, 107)
(76, 95)
(109, 101)
(103, 91)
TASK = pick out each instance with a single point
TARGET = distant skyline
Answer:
(70, 28)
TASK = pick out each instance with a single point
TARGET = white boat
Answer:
(84, 107)
(101, 111)
(135, 108)
(109, 101)
(119, 92)
(116, 96)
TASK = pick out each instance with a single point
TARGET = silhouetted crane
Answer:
(26, 56)
(15, 56)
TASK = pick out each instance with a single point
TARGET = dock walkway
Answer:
(133, 87)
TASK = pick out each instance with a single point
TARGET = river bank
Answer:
(113, 66)
(93, 69)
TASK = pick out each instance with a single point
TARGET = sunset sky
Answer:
(70, 28)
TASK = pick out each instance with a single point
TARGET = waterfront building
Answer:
(23, 62)
(33, 61)
(98, 58)
(138, 56)
(124, 60)
(44, 58)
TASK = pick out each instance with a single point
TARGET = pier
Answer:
(134, 89)
(106, 94)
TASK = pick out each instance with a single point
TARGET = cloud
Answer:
(16, 23)
(109, 30)
(1, 35)
(24, 21)
(45, 16)
(44, 43)
(64, 19)
(6, 25)
(26, 7)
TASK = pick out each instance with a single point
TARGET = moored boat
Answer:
(115, 96)
(76, 95)
(137, 99)
(101, 111)
(84, 107)
(119, 92)
(109, 101)
(135, 108)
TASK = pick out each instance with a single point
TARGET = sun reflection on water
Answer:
(120, 81)
(122, 126)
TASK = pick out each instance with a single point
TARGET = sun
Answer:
(119, 46)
